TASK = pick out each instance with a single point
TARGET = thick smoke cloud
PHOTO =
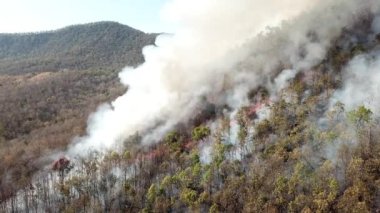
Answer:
(361, 83)
(222, 49)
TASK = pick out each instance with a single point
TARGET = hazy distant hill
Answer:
(102, 45)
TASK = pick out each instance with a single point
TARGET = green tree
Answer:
(360, 116)
(200, 132)
(189, 197)
(152, 193)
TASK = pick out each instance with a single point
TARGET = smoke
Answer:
(361, 83)
(282, 81)
(376, 25)
(241, 43)
(361, 78)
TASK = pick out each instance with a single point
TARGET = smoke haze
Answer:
(361, 83)
(241, 43)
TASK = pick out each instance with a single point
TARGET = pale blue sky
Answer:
(41, 15)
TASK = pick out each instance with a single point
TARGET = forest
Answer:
(296, 151)
(96, 46)
(43, 107)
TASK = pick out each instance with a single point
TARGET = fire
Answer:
(252, 110)
(61, 164)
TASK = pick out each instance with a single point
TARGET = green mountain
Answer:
(102, 45)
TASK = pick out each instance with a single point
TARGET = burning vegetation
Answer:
(316, 149)
(61, 164)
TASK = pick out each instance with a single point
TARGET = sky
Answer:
(42, 15)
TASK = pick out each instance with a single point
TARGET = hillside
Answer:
(102, 45)
(49, 84)
(230, 114)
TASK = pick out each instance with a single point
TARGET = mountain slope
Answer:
(288, 122)
(102, 45)
(50, 82)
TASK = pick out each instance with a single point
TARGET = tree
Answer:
(200, 132)
(355, 199)
(360, 116)
(189, 197)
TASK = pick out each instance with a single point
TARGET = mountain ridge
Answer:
(100, 45)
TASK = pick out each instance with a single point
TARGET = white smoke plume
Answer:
(361, 87)
(222, 48)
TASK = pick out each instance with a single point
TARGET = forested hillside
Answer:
(49, 84)
(101, 45)
(286, 120)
